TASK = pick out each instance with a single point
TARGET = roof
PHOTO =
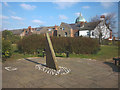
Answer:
(66, 24)
(43, 30)
(87, 26)
(38, 29)
(17, 32)
(74, 26)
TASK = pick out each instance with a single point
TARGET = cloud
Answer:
(37, 22)
(63, 17)
(5, 22)
(105, 14)
(5, 3)
(78, 13)
(4, 17)
(12, 12)
(86, 7)
(17, 18)
(27, 6)
(62, 4)
(107, 4)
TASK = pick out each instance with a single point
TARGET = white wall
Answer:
(83, 33)
(105, 32)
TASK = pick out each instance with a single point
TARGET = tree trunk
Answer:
(100, 39)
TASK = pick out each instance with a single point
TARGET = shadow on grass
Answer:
(34, 62)
(113, 66)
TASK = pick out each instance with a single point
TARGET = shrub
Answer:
(31, 44)
(78, 45)
(6, 49)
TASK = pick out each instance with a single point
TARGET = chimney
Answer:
(55, 27)
(102, 17)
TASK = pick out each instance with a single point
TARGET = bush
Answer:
(6, 49)
(78, 45)
(8, 35)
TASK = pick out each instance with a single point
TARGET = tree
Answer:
(101, 31)
(8, 35)
(109, 20)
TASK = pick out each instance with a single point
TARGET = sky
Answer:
(19, 15)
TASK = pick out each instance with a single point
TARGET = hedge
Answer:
(78, 45)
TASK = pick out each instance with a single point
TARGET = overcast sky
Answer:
(16, 15)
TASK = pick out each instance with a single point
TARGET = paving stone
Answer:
(96, 74)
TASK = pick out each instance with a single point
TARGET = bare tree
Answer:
(100, 31)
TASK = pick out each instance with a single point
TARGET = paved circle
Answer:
(85, 73)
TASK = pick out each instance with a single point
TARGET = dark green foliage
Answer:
(7, 40)
(8, 35)
(6, 49)
(78, 45)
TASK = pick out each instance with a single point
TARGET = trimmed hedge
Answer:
(78, 45)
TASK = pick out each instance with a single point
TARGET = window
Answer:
(93, 34)
(63, 28)
(88, 33)
(59, 35)
(38, 30)
(26, 32)
(65, 34)
(49, 29)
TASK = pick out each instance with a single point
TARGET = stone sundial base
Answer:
(60, 71)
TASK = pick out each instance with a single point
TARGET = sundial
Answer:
(51, 66)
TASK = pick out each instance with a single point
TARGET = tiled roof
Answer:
(87, 26)
(42, 30)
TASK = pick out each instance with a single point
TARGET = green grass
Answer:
(106, 52)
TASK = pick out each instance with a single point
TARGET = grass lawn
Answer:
(106, 52)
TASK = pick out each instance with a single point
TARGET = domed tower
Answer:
(80, 19)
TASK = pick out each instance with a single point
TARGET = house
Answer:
(52, 30)
(87, 29)
(23, 32)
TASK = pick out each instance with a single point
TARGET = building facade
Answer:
(80, 28)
